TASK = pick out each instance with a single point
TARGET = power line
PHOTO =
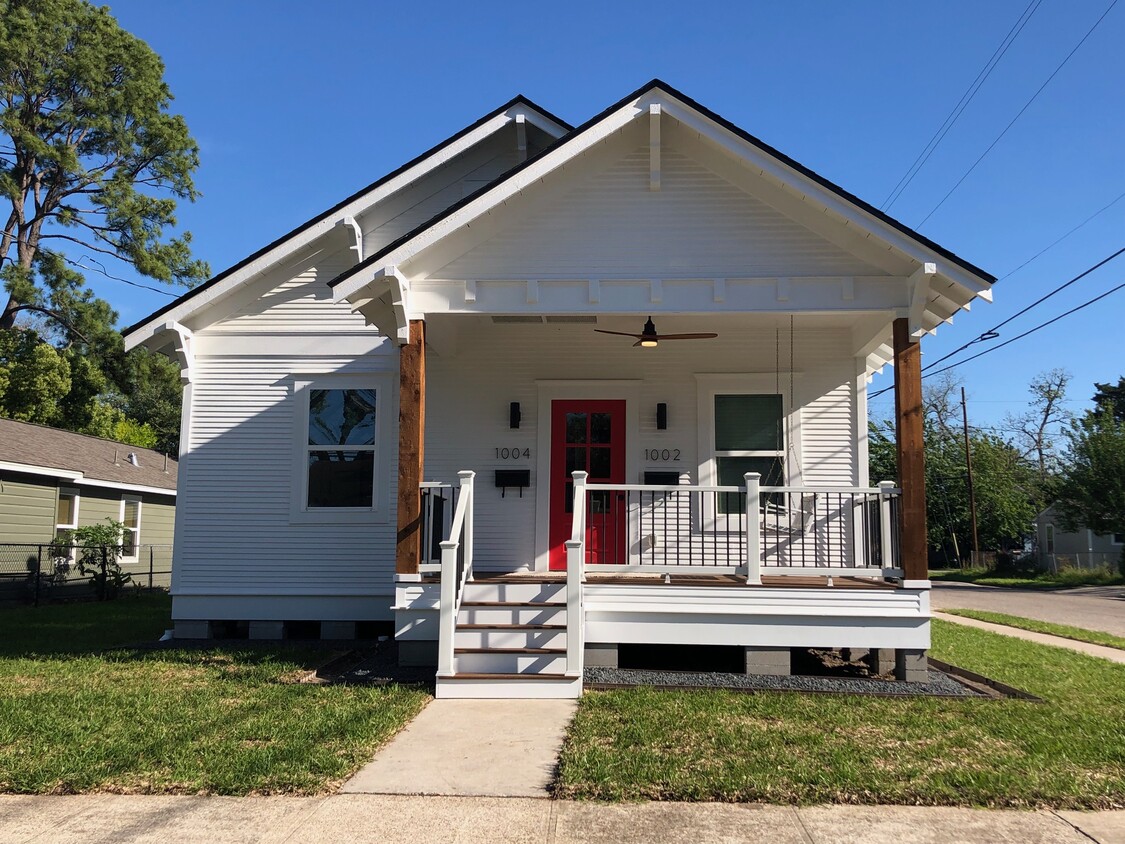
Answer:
(967, 97)
(1033, 330)
(1056, 242)
(1018, 115)
(991, 334)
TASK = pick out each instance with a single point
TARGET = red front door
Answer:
(588, 435)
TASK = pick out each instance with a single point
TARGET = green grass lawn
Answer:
(1062, 580)
(77, 717)
(796, 748)
(1080, 634)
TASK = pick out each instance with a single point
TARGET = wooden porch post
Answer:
(911, 458)
(411, 446)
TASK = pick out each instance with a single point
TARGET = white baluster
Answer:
(753, 528)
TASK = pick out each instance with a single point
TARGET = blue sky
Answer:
(296, 105)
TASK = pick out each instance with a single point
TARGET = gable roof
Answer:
(338, 209)
(571, 138)
(82, 459)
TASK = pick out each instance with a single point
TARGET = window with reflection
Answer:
(341, 449)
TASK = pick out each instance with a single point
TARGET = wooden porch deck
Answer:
(775, 581)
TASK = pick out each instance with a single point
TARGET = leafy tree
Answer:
(99, 552)
(1112, 398)
(91, 162)
(1005, 484)
(1091, 492)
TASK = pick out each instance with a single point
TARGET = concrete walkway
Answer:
(473, 748)
(1112, 654)
(386, 819)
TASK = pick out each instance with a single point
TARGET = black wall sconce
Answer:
(662, 417)
(514, 415)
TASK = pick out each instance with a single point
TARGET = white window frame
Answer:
(385, 410)
(137, 539)
(757, 384)
(1049, 538)
(77, 496)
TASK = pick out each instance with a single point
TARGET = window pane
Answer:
(748, 423)
(341, 417)
(66, 509)
(599, 464)
(575, 460)
(576, 427)
(731, 470)
(129, 543)
(132, 514)
(341, 478)
(600, 428)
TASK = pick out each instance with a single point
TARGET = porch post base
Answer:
(192, 630)
(418, 652)
(911, 666)
(601, 655)
(776, 662)
(337, 630)
(267, 629)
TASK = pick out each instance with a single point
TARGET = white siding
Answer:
(235, 535)
(468, 396)
(608, 224)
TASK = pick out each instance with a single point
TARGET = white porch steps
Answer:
(510, 642)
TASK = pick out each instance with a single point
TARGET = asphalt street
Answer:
(1093, 607)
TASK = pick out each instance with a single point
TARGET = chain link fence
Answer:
(36, 574)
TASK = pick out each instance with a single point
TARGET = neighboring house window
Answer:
(341, 449)
(1050, 539)
(67, 514)
(1119, 539)
(131, 534)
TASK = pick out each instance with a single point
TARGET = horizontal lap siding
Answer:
(235, 531)
(469, 393)
(27, 508)
(609, 224)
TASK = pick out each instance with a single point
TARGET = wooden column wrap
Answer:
(411, 448)
(910, 451)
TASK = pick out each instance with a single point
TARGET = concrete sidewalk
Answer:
(388, 819)
(471, 748)
(1112, 654)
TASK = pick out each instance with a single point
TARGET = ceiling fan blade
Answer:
(636, 344)
(621, 333)
(688, 336)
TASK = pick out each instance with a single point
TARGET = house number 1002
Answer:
(663, 455)
(512, 453)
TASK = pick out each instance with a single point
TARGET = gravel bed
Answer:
(939, 684)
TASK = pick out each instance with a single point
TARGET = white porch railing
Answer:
(575, 574)
(456, 571)
(748, 529)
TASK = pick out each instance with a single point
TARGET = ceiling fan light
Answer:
(649, 342)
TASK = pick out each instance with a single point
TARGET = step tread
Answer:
(479, 676)
(509, 650)
(524, 604)
(511, 627)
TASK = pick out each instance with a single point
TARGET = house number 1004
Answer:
(663, 455)
(512, 453)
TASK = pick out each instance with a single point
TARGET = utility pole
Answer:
(969, 470)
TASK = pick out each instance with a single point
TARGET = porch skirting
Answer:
(776, 617)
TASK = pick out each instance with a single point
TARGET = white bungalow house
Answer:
(463, 401)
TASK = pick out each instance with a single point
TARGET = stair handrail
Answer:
(456, 571)
(575, 575)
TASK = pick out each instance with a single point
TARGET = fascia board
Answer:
(80, 479)
(186, 309)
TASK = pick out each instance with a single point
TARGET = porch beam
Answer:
(411, 452)
(920, 295)
(909, 449)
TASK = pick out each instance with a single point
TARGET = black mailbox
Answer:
(518, 478)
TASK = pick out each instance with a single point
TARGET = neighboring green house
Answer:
(52, 480)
